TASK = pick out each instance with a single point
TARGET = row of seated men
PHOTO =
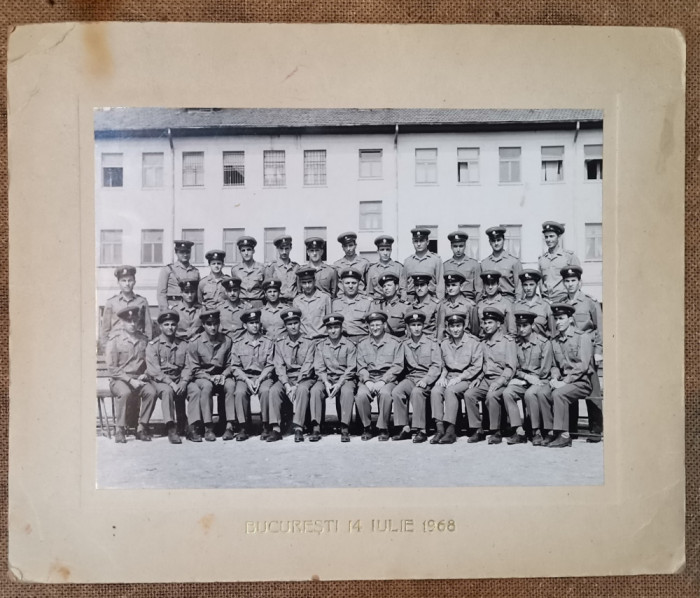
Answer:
(301, 370)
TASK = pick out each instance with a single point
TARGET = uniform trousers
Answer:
(122, 393)
(492, 402)
(452, 396)
(544, 417)
(536, 401)
(242, 401)
(200, 403)
(407, 390)
(167, 400)
(564, 397)
(363, 400)
(278, 395)
(344, 398)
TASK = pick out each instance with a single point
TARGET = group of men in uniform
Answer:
(425, 335)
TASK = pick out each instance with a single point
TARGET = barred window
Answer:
(234, 169)
(314, 167)
(273, 168)
(192, 169)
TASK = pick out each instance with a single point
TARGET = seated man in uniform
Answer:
(500, 365)
(294, 362)
(335, 365)
(126, 364)
(326, 276)
(210, 293)
(456, 303)
(394, 308)
(384, 265)
(468, 267)
(189, 324)
(232, 307)
(463, 359)
(426, 303)
(165, 364)
(272, 325)
(379, 364)
(531, 301)
(422, 364)
(571, 371)
(126, 278)
(208, 357)
(532, 377)
(352, 305)
(284, 269)
(492, 298)
(249, 272)
(251, 360)
(348, 241)
(313, 303)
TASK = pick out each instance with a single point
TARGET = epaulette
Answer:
(508, 336)
(579, 331)
(541, 338)
(153, 342)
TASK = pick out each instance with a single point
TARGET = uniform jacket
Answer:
(500, 302)
(544, 322)
(458, 305)
(286, 274)
(251, 279)
(430, 263)
(534, 356)
(510, 268)
(125, 354)
(169, 281)
(210, 293)
(252, 355)
(500, 358)
(207, 358)
(573, 356)
(589, 318)
(379, 359)
(463, 359)
(422, 360)
(313, 310)
(189, 325)
(471, 270)
(550, 264)
(294, 359)
(166, 360)
(379, 269)
(395, 311)
(110, 320)
(272, 324)
(326, 278)
(335, 362)
(432, 308)
(354, 310)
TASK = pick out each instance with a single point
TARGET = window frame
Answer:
(469, 162)
(235, 169)
(598, 239)
(119, 169)
(158, 169)
(276, 174)
(509, 238)
(198, 258)
(593, 158)
(111, 244)
(233, 255)
(152, 262)
(424, 164)
(379, 215)
(510, 161)
(309, 164)
(197, 173)
(552, 158)
(361, 161)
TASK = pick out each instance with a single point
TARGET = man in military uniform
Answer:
(272, 325)
(422, 364)
(571, 372)
(126, 278)
(126, 364)
(394, 308)
(348, 241)
(250, 272)
(424, 262)
(313, 303)
(468, 267)
(168, 289)
(232, 307)
(335, 365)
(426, 303)
(492, 298)
(553, 260)
(165, 364)
(385, 265)
(531, 301)
(352, 305)
(189, 325)
(532, 376)
(463, 359)
(456, 303)
(210, 292)
(503, 262)
(326, 276)
(500, 365)
(251, 359)
(379, 364)
(284, 269)
(208, 359)
(294, 361)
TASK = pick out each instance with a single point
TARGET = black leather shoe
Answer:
(548, 439)
(537, 439)
(516, 439)
(594, 438)
(228, 433)
(143, 435)
(173, 436)
(241, 436)
(209, 435)
(477, 436)
(273, 436)
(193, 435)
(437, 438)
(561, 442)
(495, 438)
(119, 436)
(403, 435)
(298, 435)
(264, 435)
(314, 436)
(420, 437)
(448, 438)
(383, 436)
(367, 434)
(345, 436)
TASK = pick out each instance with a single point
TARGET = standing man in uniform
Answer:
(468, 267)
(352, 305)
(531, 301)
(394, 308)
(348, 241)
(165, 364)
(424, 262)
(385, 265)
(251, 360)
(272, 325)
(532, 377)
(210, 293)
(492, 298)
(326, 276)
(284, 269)
(553, 260)
(426, 303)
(503, 262)
(126, 278)
(232, 307)
(423, 364)
(294, 362)
(379, 364)
(250, 272)
(173, 274)
(126, 364)
(455, 302)
(335, 365)
(313, 303)
(188, 310)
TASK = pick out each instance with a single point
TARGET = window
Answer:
(552, 163)
(472, 248)
(234, 169)
(433, 238)
(426, 166)
(509, 164)
(371, 164)
(273, 168)
(468, 165)
(270, 235)
(594, 241)
(110, 247)
(512, 239)
(152, 170)
(151, 246)
(593, 162)
(314, 167)
(231, 236)
(192, 169)
(196, 235)
(112, 170)
(317, 231)
(371, 215)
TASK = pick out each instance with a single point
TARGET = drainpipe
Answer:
(172, 186)
(396, 188)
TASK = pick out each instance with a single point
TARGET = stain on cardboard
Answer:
(60, 570)
(206, 522)
(97, 53)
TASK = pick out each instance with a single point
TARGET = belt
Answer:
(173, 297)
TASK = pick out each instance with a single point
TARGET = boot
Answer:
(450, 436)
(209, 435)
(193, 434)
(119, 436)
(439, 432)
(142, 433)
(173, 436)
(228, 433)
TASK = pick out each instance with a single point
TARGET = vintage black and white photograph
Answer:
(333, 298)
